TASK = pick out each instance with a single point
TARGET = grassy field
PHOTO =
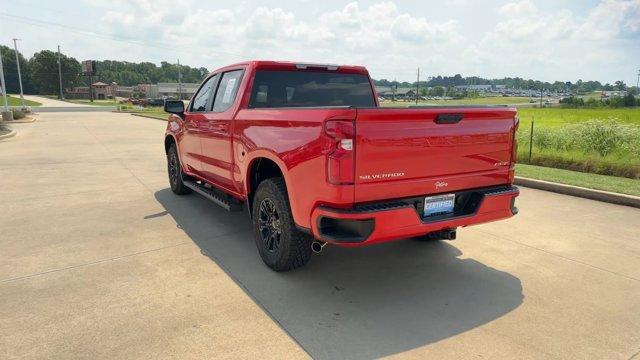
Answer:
(498, 100)
(614, 131)
(591, 181)
(557, 117)
(15, 101)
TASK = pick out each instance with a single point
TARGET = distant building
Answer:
(610, 94)
(385, 91)
(473, 87)
(173, 90)
(101, 91)
(109, 91)
(401, 93)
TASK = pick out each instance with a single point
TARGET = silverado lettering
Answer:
(285, 141)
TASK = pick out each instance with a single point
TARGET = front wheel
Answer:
(281, 245)
(175, 172)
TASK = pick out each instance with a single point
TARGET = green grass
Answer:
(154, 112)
(557, 117)
(497, 100)
(15, 101)
(591, 181)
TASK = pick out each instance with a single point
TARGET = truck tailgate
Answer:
(411, 152)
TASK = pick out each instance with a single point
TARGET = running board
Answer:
(220, 198)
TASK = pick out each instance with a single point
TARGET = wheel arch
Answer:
(261, 167)
(168, 140)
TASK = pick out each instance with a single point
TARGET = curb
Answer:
(6, 136)
(23, 121)
(142, 115)
(599, 195)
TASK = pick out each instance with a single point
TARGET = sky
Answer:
(539, 39)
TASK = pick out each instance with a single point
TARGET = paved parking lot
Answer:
(98, 259)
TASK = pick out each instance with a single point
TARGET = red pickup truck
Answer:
(315, 160)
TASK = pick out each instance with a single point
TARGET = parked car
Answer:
(154, 102)
(307, 150)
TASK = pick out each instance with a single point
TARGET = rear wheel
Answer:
(280, 244)
(175, 172)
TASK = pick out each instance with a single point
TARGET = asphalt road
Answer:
(100, 260)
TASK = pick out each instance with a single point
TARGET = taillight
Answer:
(340, 161)
(514, 150)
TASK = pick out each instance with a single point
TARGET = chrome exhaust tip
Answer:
(450, 235)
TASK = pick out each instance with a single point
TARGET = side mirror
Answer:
(174, 107)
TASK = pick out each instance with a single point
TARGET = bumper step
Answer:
(218, 197)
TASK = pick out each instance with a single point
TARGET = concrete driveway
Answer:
(100, 260)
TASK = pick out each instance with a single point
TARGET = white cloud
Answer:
(524, 7)
(610, 18)
(530, 38)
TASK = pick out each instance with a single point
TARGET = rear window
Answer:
(310, 89)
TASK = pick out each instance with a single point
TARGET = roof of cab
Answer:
(297, 65)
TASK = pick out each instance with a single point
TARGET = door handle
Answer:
(214, 126)
(448, 118)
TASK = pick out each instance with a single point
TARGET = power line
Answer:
(72, 29)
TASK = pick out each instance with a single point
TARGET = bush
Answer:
(604, 137)
(572, 102)
(628, 100)
(17, 114)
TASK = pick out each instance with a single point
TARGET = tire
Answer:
(174, 170)
(280, 244)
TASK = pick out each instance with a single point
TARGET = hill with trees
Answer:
(40, 76)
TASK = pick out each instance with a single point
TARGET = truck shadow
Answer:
(354, 303)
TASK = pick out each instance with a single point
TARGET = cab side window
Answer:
(227, 90)
(201, 99)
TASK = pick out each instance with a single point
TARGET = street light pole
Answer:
(6, 114)
(179, 80)
(15, 46)
(418, 86)
(60, 72)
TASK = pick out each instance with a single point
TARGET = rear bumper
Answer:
(398, 219)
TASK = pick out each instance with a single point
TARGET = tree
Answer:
(629, 100)
(620, 85)
(44, 72)
(437, 91)
(11, 71)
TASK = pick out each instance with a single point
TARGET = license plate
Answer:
(438, 205)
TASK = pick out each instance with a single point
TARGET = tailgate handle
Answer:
(448, 118)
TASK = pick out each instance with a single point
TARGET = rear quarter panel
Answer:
(294, 139)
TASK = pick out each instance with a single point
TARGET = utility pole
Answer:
(179, 80)
(60, 73)
(394, 87)
(15, 46)
(638, 83)
(418, 86)
(6, 114)
(541, 89)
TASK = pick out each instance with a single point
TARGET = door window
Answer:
(227, 90)
(201, 99)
